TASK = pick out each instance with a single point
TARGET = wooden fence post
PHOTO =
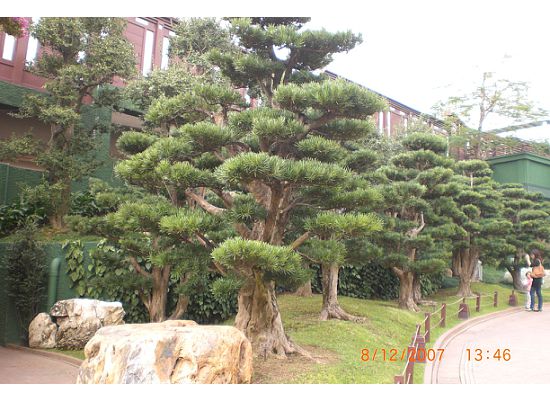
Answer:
(443, 315)
(463, 310)
(513, 299)
(478, 301)
(495, 299)
(420, 356)
(427, 327)
(409, 371)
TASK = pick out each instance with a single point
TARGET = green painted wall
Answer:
(12, 95)
(9, 328)
(11, 178)
(528, 169)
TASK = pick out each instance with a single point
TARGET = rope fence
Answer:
(419, 340)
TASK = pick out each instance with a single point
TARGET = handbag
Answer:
(538, 271)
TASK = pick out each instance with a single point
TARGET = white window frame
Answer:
(9, 41)
(165, 59)
(148, 48)
(33, 46)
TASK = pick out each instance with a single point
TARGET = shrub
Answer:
(27, 276)
(373, 282)
(14, 215)
(108, 276)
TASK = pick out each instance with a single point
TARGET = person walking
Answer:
(537, 273)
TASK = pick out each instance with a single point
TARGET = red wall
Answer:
(14, 71)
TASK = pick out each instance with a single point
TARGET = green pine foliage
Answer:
(528, 213)
(417, 210)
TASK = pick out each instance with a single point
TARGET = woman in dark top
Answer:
(536, 256)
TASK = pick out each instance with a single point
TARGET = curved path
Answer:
(525, 334)
(23, 366)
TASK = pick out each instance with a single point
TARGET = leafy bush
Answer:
(108, 276)
(373, 282)
(27, 276)
(15, 215)
(85, 204)
(206, 308)
(105, 276)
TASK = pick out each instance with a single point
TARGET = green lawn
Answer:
(339, 343)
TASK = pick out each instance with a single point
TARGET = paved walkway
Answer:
(19, 366)
(524, 333)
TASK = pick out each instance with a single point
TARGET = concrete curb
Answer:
(432, 368)
(47, 354)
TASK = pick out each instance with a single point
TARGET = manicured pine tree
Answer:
(167, 257)
(328, 250)
(82, 57)
(528, 213)
(417, 207)
(481, 219)
(166, 237)
(246, 167)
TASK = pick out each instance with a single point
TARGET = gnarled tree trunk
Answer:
(465, 261)
(304, 290)
(331, 308)
(516, 276)
(406, 289)
(260, 320)
(61, 209)
(159, 294)
(417, 289)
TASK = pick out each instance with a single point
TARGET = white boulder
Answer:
(168, 352)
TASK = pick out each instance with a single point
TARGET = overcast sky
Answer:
(420, 52)
(416, 52)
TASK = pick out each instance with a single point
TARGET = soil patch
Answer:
(274, 370)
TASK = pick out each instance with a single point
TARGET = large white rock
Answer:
(168, 352)
(42, 332)
(79, 319)
(74, 321)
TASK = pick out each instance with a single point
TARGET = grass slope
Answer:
(337, 345)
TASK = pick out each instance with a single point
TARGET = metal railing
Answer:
(419, 340)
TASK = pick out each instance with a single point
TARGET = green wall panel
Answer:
(9, 328)
(532, 171)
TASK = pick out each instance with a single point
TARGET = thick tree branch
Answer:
(298, 242)
(226, 197)
(415, 231)
(138, 268)
(205, 205)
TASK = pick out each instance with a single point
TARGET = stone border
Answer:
(56, 356)
(431, 369)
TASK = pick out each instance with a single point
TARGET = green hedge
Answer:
(373, 282)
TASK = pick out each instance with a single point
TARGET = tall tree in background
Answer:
(417, 207)
(493, 100)
(528, 213)
(481, 219)
(83, 57)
